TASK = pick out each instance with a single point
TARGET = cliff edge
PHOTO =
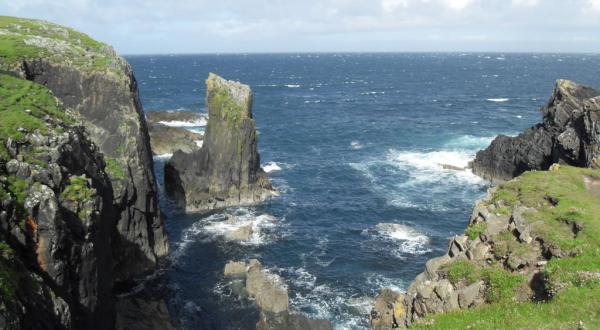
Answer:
(226, 170)
(569, 134)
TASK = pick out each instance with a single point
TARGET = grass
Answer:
(78, 190)
(23, 105)
(29, 39)
(500, 284)
(473, 231)
(561, 203)
(575, 308)
(223, 103)
(114, 169)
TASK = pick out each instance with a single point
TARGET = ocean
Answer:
(354, 143)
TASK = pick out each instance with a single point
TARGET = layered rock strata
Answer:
(226, 170)
(569, 134)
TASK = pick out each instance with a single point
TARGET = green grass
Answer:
(23, 105)
(114, 169)
(473, 231)
(28, 39)
(463, 270)
(560, 200)
(78, 190)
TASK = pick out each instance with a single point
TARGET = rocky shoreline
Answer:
(168, 133)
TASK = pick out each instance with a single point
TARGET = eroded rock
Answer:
(226, 170)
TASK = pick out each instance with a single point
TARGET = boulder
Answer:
(388, 311)
(268, 289)
(168, 140)
(226, 170)
(235, 269)
(243, 233)
(569, 134)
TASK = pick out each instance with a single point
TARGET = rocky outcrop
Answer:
(99, 87)
(226, 170)
(168, 133)
(569, 134)
(168, 140)
(271, 296)
(78, 203)
(56, 217)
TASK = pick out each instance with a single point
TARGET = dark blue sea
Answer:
(354, 144)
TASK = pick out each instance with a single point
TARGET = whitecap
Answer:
(178, 123)
(356, 145)
(498, 100)
(163, 156)
(519, 116)
(292, 86)
(411, 241)
(271, 167)
(227, 226)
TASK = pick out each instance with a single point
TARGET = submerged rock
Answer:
(226, 170)
(168, 140)
(569, 134)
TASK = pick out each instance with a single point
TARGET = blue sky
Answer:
(219, 26)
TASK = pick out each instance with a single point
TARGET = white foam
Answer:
(179, 123)
(430, 160)
(356, 145)
(519, 116)
(271, 167)
(498, 100)
(222, 225)
(411, 240)
(163, 156)
(199, 143)
(292, 86)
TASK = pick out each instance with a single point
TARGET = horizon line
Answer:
(362, 52)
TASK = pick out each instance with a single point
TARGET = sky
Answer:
(244, 26)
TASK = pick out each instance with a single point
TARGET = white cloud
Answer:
(525, 3)
(458, 4)
(392, 5)
(595, 4)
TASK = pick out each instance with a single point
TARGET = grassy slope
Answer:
(28, 39)
(560, 199)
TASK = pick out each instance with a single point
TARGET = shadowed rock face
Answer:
(226, 170)
(569, 134)
(113, 115)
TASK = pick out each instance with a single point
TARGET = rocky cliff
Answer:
(78, 207)
(168, 132)
(99, 88)
(226, 170)
(56, 216)
(569, 134)
(529, 258)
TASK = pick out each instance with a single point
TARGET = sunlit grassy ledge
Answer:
(564, 218)
(28, 39)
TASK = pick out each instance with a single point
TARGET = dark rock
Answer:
(168, 140)
(143, 313)
(226, 170)
(569, 134)
(290, 321)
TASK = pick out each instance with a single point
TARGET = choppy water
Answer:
(352, 141)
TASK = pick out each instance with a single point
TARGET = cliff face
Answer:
(529, 254)
(569, 134)
(99, 87)
(226, 170)
(56, 216)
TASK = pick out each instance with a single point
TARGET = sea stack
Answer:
(569, 134)
(226, 170)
